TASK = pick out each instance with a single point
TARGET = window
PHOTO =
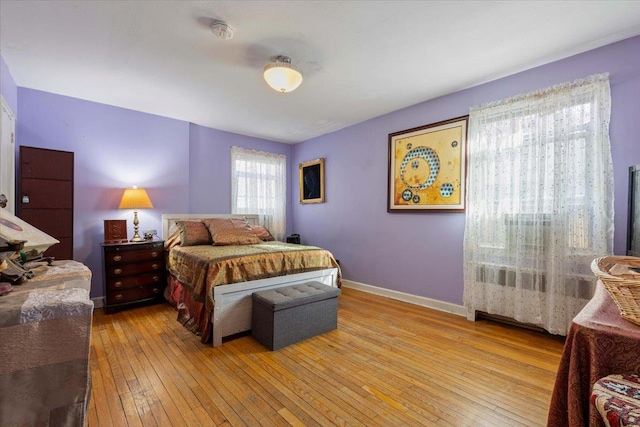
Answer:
(544, 174)
(259, 186)
(539, 202)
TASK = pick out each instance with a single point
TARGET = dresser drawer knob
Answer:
(155, 266)
(156, 278)
(156, 290)
(117, 271)
(117, 258)
(154, 254)
(118, 297)
(117, 284)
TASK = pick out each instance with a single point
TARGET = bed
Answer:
(210, 286)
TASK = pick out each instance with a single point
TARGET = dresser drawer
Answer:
(114, 257)
(134, 269)
(133, 294)
(126, 282)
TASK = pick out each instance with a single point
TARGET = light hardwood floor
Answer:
(389, 364)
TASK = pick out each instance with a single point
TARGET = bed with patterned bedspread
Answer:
(210, 284)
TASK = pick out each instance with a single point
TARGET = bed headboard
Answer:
(169, 220)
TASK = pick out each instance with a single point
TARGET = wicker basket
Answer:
(624, 289)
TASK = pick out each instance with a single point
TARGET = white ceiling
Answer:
(360, 59)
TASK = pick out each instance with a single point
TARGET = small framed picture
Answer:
(312, 181)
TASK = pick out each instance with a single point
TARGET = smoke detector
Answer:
(222, 30)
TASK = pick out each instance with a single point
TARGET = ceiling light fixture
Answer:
(222, 30)
(281, 75)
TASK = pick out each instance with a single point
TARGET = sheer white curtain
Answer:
(259, 186)
(540, 203)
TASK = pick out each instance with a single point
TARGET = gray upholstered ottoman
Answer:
(284, 316)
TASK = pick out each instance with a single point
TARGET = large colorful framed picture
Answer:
(312, 181)
(427, 168)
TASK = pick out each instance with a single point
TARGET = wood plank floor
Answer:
(388, 364)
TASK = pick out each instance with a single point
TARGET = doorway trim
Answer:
(8, 156)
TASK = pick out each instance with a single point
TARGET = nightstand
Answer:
(133, 273)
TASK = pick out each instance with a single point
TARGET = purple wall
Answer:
(8, 88)
(184, 167)
(421, 254)
(114, 148)
(210, 168)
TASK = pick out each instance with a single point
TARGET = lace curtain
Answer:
(540, 203)
(259, 186)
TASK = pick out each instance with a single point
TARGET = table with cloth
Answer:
(45, 332)
(600, 342)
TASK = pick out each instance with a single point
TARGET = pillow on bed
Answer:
(173, 240)
(193, 233)
(262, 233)
(230, 231)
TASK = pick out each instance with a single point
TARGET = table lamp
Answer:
(135, 198)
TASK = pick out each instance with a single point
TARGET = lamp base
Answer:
(136, 237)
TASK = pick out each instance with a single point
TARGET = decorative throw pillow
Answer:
(230, 231)
(262, 233)
(193, 233)
(173, 240)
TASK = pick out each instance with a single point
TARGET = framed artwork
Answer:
(427, 168)
(312, 181)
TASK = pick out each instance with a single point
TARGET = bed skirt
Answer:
(192, 314)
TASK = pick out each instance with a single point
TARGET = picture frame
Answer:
(427, 168)
(312, 181)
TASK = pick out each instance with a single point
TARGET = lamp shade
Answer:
(281, 75)
(135, 198)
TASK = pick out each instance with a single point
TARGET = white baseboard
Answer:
(411, 299)
(447, 307)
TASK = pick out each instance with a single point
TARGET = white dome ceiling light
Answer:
(281, 75)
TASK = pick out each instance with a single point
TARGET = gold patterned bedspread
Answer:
(203, 267)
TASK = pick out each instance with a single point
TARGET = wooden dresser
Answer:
(134, 274)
